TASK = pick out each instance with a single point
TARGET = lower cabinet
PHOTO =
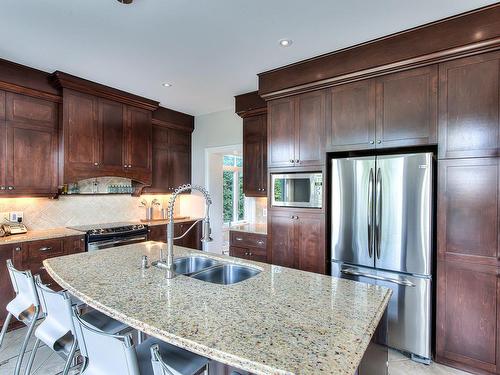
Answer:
(192, 240)
(297, 240)
(251, 246)
(29, 256)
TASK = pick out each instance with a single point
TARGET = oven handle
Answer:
(404, 282)
(108, 243)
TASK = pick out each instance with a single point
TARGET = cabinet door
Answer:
(3, 143)
(310, 129)
(6, 290)
(469, 107)
(467, 315)
(111, 137)
(351, 116)
(281, 133)
(74, 245)
(2, 105)
(81, 141)
(282, 232)
(468, 210)
(157, 233)
(179, 144)
(254, 155)
(193, 239)
(311, 242)
(407, 108)
(139, 131)
(160, 162)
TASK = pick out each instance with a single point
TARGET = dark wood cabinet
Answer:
(469, 103)
(3, 143)
(255, 155)
(192, 239)
(296, 130)
(171, 155)
(138, 132)
(245, 245)
(297, 240)
(468, 287)
(105, 138)
(407, 108)
(393, 110)
(28, 147)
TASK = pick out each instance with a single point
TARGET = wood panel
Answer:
(157, 233)
(80, 130)
(351, 116)
(281, 147)
(22, 108)
(2, 105)
(248, 103)
(311, 254)
(468, 213)
(282, 238)
(193, 239)
(111, 137)
(310, 129)
(467, 316)
(3, 157)
(407, 108)
(179, 144)
(255, 156)
(255, 254)
(472, 31)
(469, 104)
(138, 135)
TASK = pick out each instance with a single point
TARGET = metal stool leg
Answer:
(69, 360)
(4, 328)
(32, 357)
(31, 328)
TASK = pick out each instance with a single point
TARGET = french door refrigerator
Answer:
(381, 233)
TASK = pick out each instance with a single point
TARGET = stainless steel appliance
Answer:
(103, 236)
(381, 233)
(297, 190)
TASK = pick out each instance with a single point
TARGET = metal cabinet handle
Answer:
(130, 166)
(378, 216)
(291, 161)
(297, 161)
(370, 214)
(404, 282)
(125, 166)
(2, 187)
(10, 188)
(18, 248)
(96, 164)
(379, 141)
(260, 242)
(45, 248)
(239, 239)
(372, 142)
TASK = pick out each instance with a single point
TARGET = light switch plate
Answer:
(264, 212)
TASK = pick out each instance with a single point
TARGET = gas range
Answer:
(102, 236)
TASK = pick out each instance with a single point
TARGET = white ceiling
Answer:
(210, 50)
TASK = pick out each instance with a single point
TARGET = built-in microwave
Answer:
(297, 190)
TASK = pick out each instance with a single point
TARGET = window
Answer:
(233, 197)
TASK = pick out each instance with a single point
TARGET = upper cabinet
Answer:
(255, 155)
(296, 130)
(393, 110)
(469, 105)
(105, 132)
(28, 145)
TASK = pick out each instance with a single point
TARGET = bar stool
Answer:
(56, 330)
(116, 355)
(25, 307)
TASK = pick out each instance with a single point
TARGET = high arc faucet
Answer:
(168, 262)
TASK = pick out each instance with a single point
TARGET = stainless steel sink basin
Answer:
(193, 264)
(226, 274)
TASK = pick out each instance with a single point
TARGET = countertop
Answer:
(36, 235)
(250, 228)
(282, 321)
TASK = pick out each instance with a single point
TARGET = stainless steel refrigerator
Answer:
(381, 233)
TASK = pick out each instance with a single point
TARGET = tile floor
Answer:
(48, 363)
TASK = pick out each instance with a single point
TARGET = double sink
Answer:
(213, 271)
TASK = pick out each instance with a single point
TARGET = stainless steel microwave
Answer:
(297, 190)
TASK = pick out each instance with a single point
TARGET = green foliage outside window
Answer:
(229, 175)
(227, 191)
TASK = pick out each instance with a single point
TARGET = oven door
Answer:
(297, 190)
(116, 241)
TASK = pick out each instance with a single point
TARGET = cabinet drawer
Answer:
(41, 250)
(158, 233)
(259, 255)
(242, 239)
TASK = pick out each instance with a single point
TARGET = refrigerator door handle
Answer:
(378, 215)
(370, 214)
(404, 282)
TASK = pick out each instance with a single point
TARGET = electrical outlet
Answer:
(264, 212)
(16, 216)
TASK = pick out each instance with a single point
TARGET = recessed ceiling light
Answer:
(286, 42)
(166, 84)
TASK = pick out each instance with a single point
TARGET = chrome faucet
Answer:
(168, 263)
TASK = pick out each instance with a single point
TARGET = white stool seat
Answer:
(178, 361)
(104, 322)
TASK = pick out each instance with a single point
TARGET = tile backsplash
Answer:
(43, 213)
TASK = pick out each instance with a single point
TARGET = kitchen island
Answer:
(281, 321)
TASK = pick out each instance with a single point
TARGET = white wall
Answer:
(212, 130)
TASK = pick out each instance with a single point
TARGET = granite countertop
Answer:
(282, 321)
(43, 234)
(250, 228)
